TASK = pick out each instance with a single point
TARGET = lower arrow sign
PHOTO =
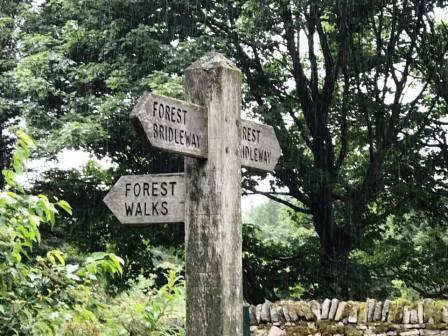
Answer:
(148, 199)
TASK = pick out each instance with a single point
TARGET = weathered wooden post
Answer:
(213, 203)
(216, 143)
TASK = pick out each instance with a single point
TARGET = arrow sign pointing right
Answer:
(148, 199)
(259, 146)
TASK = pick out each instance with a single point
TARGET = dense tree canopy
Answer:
(9, 11)
(357, 92)
(82, 67)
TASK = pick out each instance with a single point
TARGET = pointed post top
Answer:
(213, 60)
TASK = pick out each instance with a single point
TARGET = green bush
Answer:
(47, 295)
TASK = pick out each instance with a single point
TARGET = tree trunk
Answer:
(334, 262)
(335, 245)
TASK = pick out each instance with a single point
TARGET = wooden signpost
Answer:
(181, 127)
(173, 125)
(208, 130)
(148, 199)
(259, 146)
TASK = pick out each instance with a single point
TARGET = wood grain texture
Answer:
(259, 146)
(148, 199)
(213, 204)
(173, 125)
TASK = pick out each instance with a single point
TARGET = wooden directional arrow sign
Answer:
(259, 146)
(181, 127)
(173, 125)
(148, 199)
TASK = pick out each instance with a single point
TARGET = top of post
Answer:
(213, 60)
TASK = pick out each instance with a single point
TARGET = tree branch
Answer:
(272, 196)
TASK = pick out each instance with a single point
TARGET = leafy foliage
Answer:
(83, 65)
(360, 112)
(9, 110)
(50, 295)
(354, 91)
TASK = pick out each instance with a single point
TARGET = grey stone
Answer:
(281, 316)
(293, 314)
(410, 333)
(370, 309)
(386, 307)
(406, 315)
(274, 315)
(275, 331)
(425, 332)
(286, 313)
(353, 314)
(391, 333)
(333, 308)
(420, 313)
(444, 314)
(325, 309)
(426, 303)
(377, 312)
(265, 315)
(261, 332)
(362, 314)
(412, 325)
(340, 311)
(315, 308)
(258, 312)
(253, 315)
(413, 316)
(304, 311)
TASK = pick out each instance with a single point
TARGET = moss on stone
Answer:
(347, 309)
(437, 326)
(352, 331)
(396, 310)
(302, 329)
(329, 328)
(434, 310)
(362, 312)
(388, 326)
(383, 328)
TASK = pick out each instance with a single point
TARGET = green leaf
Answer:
(56, 255)
(65, 206)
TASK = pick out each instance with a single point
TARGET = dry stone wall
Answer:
(338, 318)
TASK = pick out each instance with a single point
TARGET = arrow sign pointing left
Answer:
(173, 125)
(148, 199)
